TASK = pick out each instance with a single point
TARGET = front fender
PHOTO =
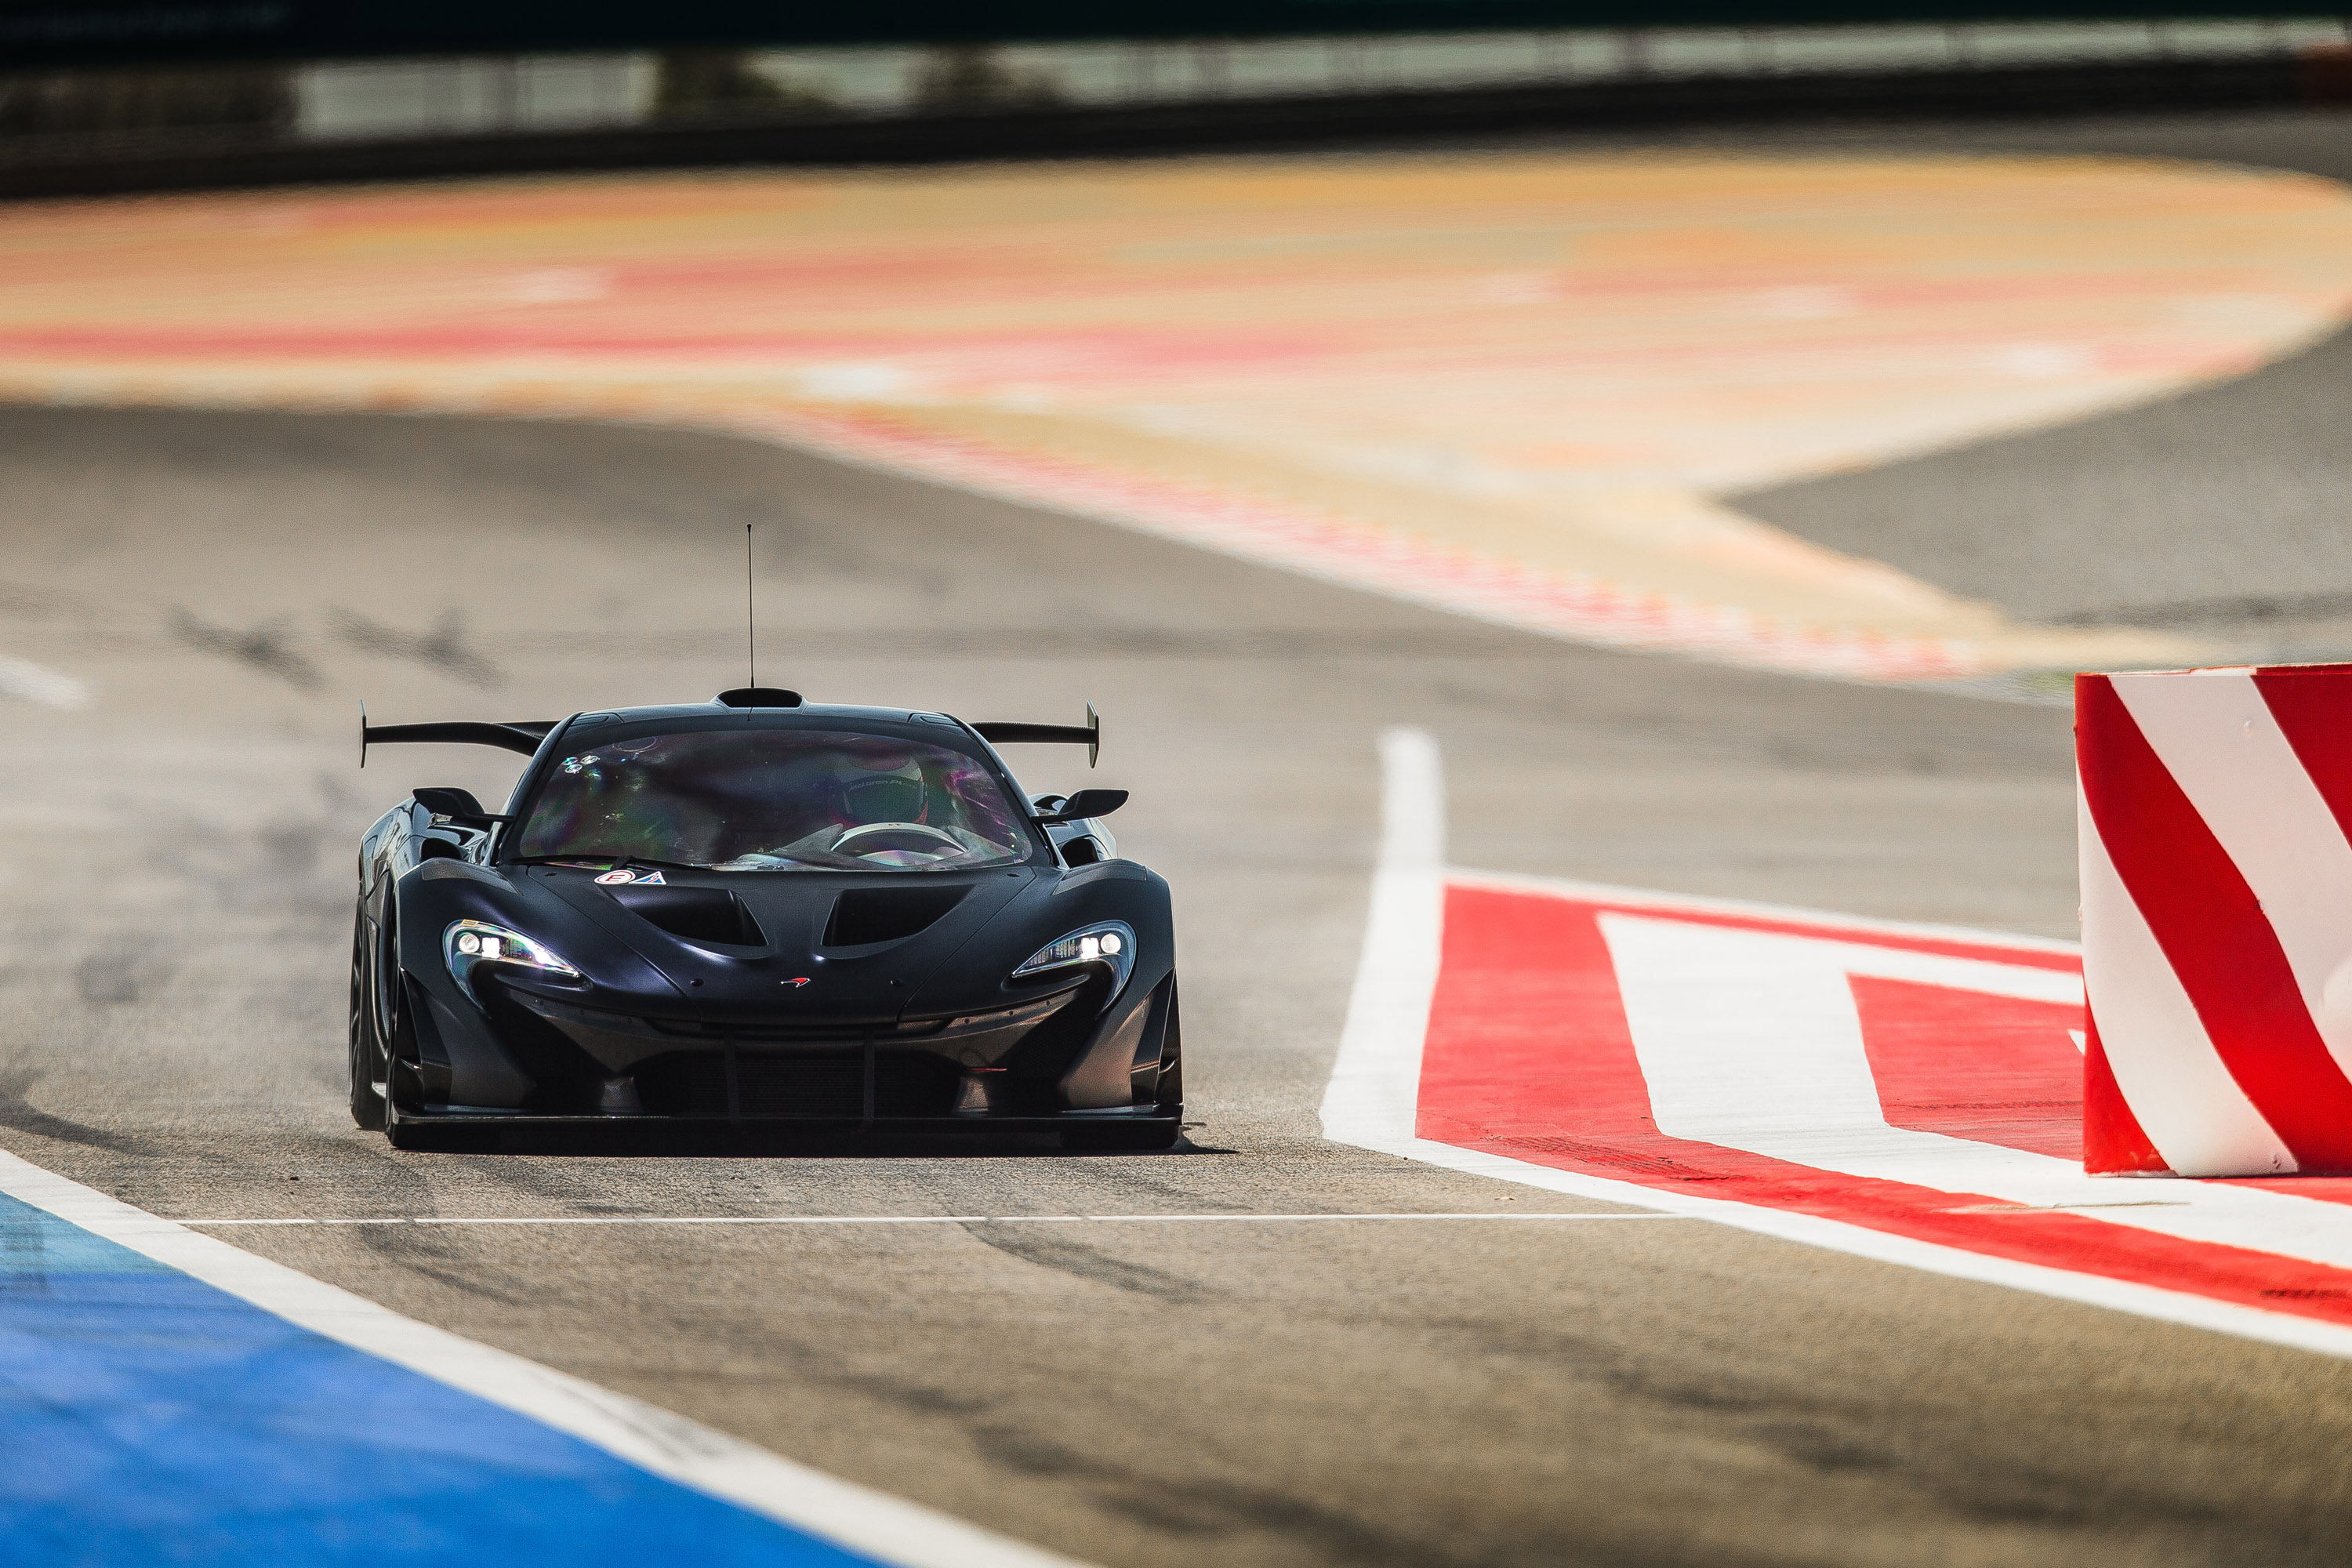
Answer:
(1098, 1068)
(463, 1054)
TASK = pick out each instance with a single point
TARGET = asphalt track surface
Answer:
(177, 861)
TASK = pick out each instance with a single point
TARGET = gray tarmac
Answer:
(177, 864)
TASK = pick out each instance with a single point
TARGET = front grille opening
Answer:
(693, 914)
(830, 1084)
(863, 915)
(836, 1031)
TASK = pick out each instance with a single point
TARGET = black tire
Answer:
(364, 1055)
(1120, 1137)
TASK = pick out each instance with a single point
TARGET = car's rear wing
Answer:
(1091, 737)
(522, 735)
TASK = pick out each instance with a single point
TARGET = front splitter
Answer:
(499, 1119)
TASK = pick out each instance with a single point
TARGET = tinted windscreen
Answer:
(774, 800)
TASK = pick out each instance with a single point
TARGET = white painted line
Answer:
(1376, 1077)
(912, 1219)
(1380, 1059)
(36, 683)
(668, 1445)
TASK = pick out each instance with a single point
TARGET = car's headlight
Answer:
(1108, 942)
(469, 942)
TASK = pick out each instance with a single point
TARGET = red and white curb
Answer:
(1901, 1092)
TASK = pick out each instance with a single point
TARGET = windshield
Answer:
(774, 800)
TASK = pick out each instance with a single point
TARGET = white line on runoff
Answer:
(797, 1219)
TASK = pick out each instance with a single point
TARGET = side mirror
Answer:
(457, 804)
(1088, 803)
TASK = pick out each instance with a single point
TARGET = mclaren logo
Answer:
(794, 984)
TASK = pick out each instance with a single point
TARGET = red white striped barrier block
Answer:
(2217, 919)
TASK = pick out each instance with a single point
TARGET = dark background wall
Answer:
(95, 32)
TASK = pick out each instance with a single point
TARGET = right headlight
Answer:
(469, 942)
(1108, 942)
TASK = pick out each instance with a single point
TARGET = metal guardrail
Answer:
(122, 32)
(336, 119)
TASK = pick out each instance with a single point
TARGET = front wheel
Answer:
(365, 1056)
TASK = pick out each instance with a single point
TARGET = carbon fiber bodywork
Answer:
(843, 998)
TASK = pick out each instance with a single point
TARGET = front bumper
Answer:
(1028, 1060)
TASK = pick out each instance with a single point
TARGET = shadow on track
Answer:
(754, 1141)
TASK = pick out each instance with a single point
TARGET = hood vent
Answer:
(863, 915)
(693, 914)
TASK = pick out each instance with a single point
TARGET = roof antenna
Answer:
(751, 626)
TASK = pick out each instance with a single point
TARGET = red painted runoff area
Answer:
(1532, 1054)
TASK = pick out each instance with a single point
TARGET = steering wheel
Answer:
(949, 841)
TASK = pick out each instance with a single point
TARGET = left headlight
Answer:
(469, 942)
(1108, 942)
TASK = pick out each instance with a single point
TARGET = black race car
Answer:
(757, 909)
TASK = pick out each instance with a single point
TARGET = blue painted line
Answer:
(148, 1418)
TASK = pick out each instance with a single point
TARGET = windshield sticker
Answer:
(652, 879)
(613, 879)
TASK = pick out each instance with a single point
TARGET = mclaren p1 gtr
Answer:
(760, 909)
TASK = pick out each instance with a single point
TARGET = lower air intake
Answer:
(832, 1086)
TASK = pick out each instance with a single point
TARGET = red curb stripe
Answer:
(2213, 933)
(1993, 1070)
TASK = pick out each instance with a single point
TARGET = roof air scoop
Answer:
(758, 697)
